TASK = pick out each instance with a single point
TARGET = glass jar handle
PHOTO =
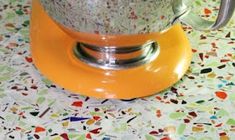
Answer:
(188, 17)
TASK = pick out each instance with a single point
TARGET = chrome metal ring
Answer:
(111, 57)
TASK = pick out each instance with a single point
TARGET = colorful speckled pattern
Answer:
(112, 16)
(200, 107)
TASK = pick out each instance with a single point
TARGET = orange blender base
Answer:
(52, 54)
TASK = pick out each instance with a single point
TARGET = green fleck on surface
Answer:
(177, 115)
(72, 136)
(148, 137)
(82, 137)
(26, 23)
(122, 128)
(19, 12)
(43, 92)
(46, 81)
(200, 101)
(40, 100)
(222, 113)
(206, 138)
(2, 95)
(230, 122)
(181, 129)
(232, 97)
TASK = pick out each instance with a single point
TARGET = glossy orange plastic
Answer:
(52, 53)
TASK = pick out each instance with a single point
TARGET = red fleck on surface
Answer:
(224, 60)
(229, 54)
(158, 97)
(221, 94)
(158, 113)
(65, 136)
(39, 129)
(186, 120)
(165, 138)
(222, 134)
(96, 131)
(88, 136)
(29, 59)
(18, 128)
(25, 94)
(96, 118)
(162, 17)
(34, 87)
(77, 104)
(153, 133)
(133, 15)
(207, 11)
(213, 45)
(193, 50)
(21, 113)
(219, 125)
(192, 114)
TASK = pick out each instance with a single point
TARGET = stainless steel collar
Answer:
(111, 57)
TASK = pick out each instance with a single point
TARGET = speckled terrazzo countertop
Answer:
(200, 107)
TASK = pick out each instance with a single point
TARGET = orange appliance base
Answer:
(52, 53)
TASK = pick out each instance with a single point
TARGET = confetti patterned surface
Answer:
(199, 107)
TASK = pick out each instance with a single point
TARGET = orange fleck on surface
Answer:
(90, 122)
(193, 50)
(224, 138)
(39, 129)
(221, 94)
(197, 129)
(207, 11)
(162, 17)
(158, 113)
(158, 98)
